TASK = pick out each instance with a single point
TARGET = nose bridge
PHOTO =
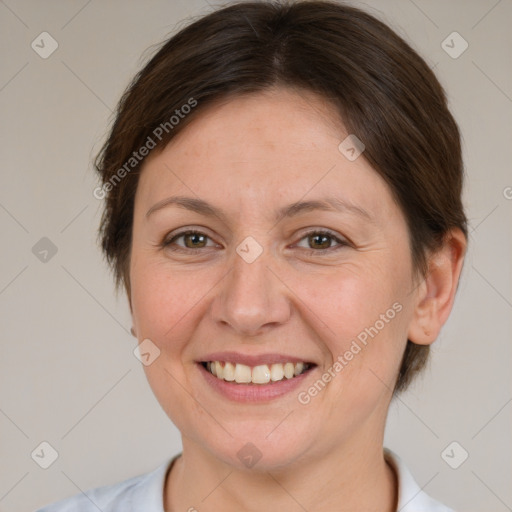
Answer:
(251, 295)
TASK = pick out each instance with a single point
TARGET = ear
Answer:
(436, 293)
(128, 291)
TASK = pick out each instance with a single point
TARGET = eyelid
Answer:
(340, 240)
(186, 231)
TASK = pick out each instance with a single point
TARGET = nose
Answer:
(252, 298)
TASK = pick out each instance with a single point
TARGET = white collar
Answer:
(148, 494)
(411, 498)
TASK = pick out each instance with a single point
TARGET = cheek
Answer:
(163, 311)
(160, 297)
(166, 309)
(361, 315)
(350, 301)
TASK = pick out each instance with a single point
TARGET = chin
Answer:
(261, 445)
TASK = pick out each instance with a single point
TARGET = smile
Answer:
(260, 374)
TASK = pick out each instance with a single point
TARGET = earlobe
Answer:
(436, 293)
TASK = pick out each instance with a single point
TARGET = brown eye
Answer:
(321, 241)
(192, 240)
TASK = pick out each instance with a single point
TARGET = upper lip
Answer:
(253, 359)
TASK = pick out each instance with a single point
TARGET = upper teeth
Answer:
(261, 374)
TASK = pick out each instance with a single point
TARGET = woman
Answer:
(282, 189)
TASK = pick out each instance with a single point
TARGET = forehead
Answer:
(275, 118)
(260, 149)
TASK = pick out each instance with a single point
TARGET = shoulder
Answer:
(125, 496)
(411, 498)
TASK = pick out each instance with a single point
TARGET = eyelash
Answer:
(342, 243)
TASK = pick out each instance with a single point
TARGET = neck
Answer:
(353, 477)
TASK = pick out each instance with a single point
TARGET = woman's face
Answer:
(260, 285)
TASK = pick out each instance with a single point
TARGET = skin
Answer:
(302, 296)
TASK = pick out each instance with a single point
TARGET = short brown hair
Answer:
(381, 89)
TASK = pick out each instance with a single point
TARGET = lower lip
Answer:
(253, 392)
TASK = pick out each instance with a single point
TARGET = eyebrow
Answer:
(204, 208)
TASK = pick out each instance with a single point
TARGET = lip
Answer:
(253, 360)
(254, 392)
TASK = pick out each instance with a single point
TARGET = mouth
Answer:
(261, 374)
(245, 378)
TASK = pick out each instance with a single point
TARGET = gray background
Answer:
(68, 375)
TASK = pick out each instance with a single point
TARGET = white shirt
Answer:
(144, 493)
